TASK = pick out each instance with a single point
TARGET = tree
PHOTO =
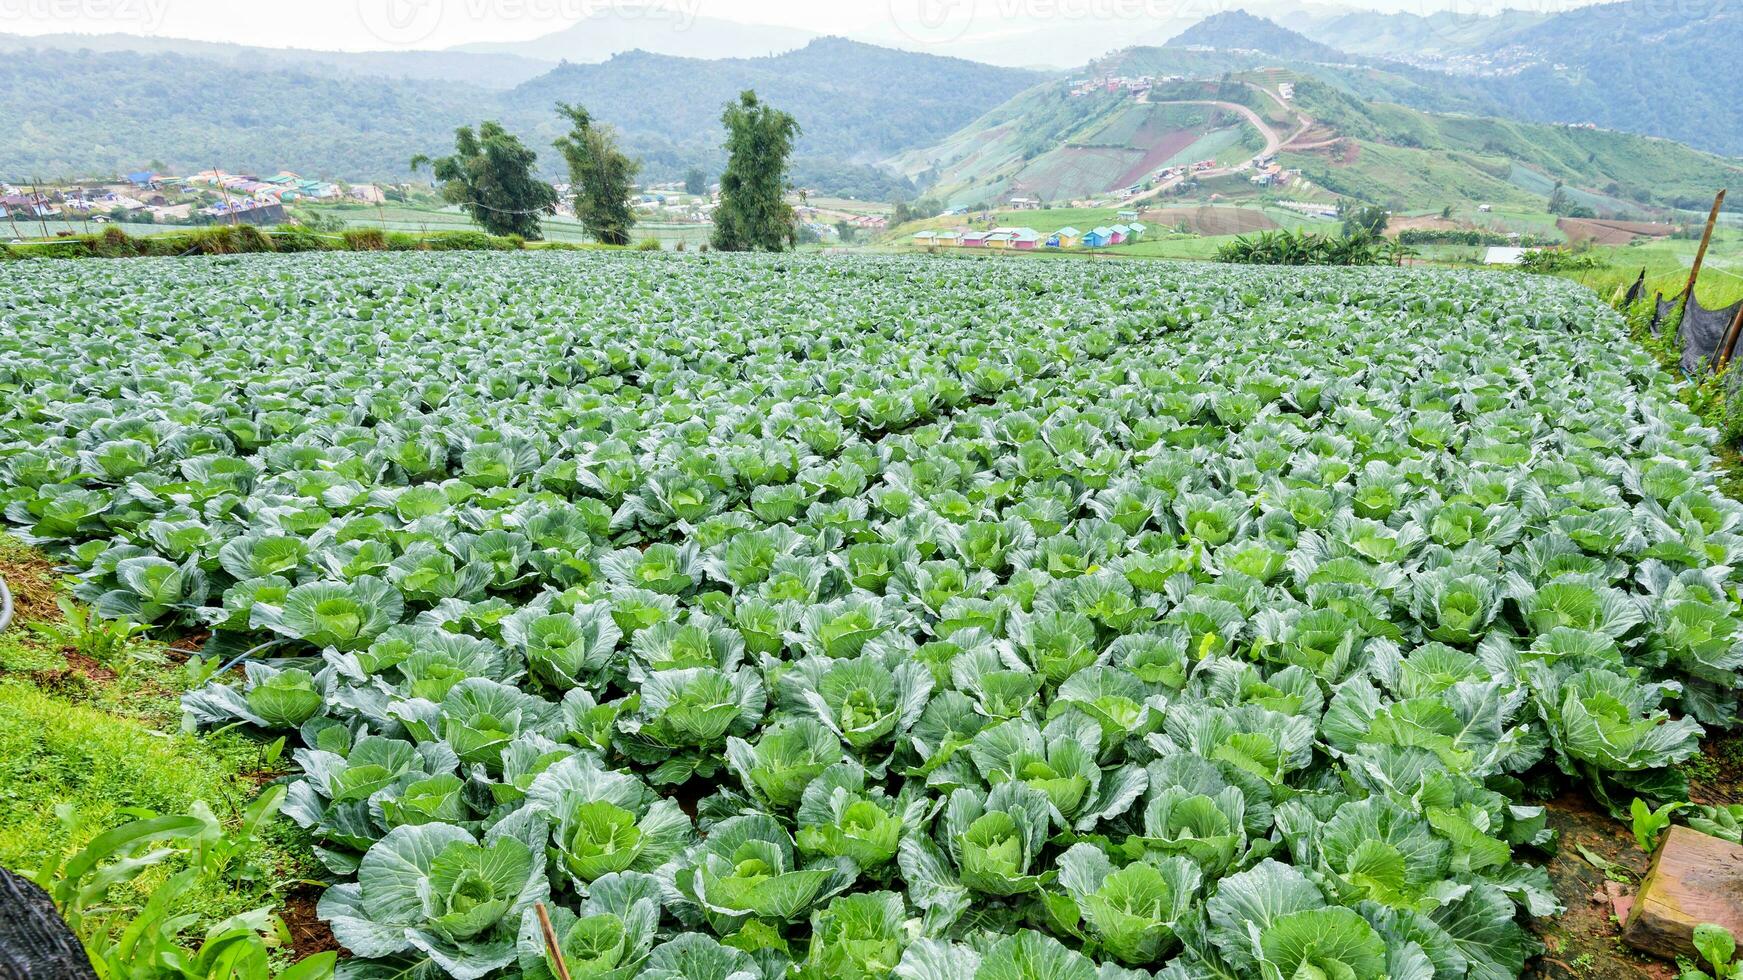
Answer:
(491, 177)
(753, 212)
(1364, 219)
(600, 176)
(695, 181)
(1558, 199)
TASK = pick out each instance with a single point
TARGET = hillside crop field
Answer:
(792, 616)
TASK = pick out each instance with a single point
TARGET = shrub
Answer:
(366, 240)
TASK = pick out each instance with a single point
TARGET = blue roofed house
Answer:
(1098, 238)
(1137, 231)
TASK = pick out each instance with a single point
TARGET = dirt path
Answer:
(1273, 142)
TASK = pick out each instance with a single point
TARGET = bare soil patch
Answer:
(1604, 232)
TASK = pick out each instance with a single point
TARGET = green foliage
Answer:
(1300, 247)
(1558, 260)
(491, 177)
(1473, 237)
(1718, 951)
(695, 181)
(753, 213)
(1364, 219)
(1650, 824)
(235, 949)
(110, 643)
(602, 177)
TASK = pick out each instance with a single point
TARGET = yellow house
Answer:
(998, 238)
(1066, 238)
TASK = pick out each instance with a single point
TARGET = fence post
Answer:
(1706, 239)
(1730, 341)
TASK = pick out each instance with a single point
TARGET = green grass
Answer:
(415, 220)
(82, 752)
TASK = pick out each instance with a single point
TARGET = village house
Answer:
(249, 212)
(1065, 238)
(974, 239)
(1098, 238)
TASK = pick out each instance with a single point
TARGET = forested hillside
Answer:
(81, 113)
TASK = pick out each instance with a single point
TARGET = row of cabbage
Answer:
(891, 618)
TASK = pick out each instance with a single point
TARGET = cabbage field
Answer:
(798, 617)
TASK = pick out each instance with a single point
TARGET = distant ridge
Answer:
(1237, 30)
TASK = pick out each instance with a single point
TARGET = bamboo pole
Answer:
(551, 946)
(1706, 239)
(42, 219)
(1730, 342)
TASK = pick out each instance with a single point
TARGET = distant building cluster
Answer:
(1135, 86)
(1270, 173)
(1030, 240)
(209, 197)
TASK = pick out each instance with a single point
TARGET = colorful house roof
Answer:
(1069, 233)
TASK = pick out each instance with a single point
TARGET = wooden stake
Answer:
(218, 175)
(1706, 239)
(1730, 342)
(42, 219)
(551, 941)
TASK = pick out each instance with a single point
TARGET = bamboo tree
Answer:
(753, 213)
(600, 177)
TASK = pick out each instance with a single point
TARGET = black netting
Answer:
(1661, 313)
(35, 943)
(1701, 331)
(1636, 292)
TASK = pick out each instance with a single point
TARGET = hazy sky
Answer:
(356, 25)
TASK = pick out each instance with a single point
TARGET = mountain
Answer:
(1343, 128)
(495, 71)
(1447, 40)
(1237, 30)
(856, 103)
(659, 30)
(80, 113)
(1640, 66)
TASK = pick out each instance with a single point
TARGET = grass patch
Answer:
(84, 749)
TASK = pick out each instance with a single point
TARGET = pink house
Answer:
(1025, 239)
(974, 239)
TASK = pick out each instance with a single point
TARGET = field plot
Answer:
(1087, 621)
